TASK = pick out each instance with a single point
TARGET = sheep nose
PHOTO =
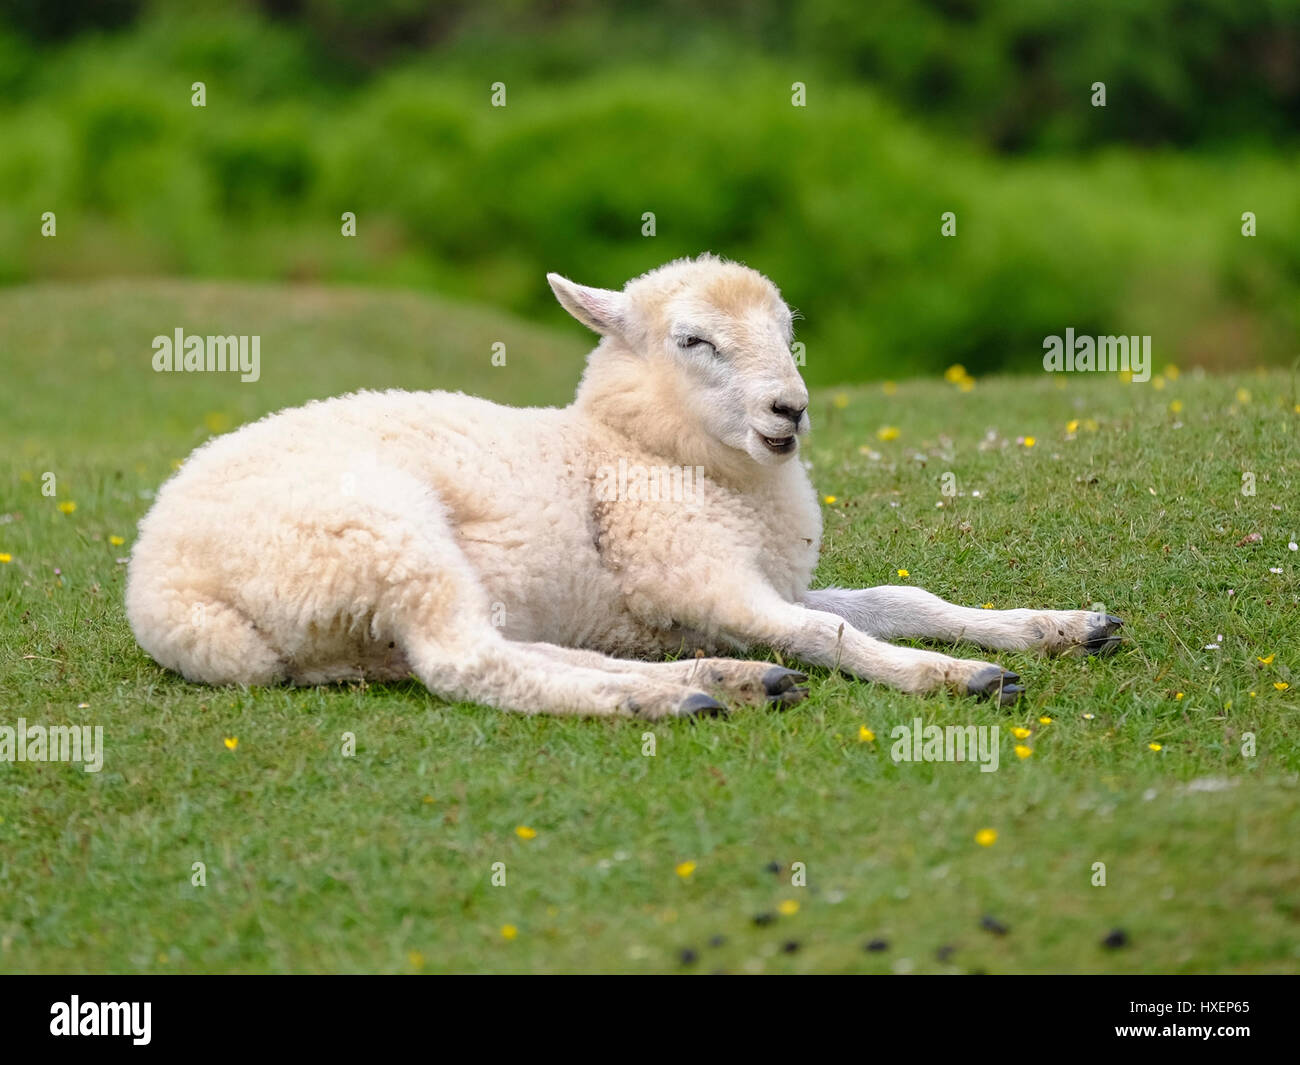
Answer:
(786, 411)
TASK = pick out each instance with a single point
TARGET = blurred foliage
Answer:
(1009, 72)
(1013, 71)
(324, 106)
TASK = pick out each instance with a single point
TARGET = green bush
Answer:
(839, 201)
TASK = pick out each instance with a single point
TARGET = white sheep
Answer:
(529, 558)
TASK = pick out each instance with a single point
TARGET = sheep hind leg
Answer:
(439, 618)
(738, 680)
(482, 667)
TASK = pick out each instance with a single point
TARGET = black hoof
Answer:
(700, 705)
(789, 697)
(996, 681)
(1010, 693)
(778, 679)
(1102, 640)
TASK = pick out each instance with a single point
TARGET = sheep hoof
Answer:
(778, 679)
(700, 705)
(996, 681)
(1102, 640)
(1010, 693)
(789, 697)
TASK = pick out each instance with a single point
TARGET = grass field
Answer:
(383, 861)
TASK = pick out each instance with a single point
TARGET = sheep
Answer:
(527, 559)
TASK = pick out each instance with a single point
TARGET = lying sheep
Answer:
(531, 559)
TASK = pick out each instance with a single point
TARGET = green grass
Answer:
(382, 862)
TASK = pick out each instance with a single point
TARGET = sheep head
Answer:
(695, 357)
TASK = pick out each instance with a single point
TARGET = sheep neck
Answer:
(621, 395)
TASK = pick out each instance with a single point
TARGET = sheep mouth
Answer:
(780, 445)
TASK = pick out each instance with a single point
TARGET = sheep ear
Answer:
(599, 309)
